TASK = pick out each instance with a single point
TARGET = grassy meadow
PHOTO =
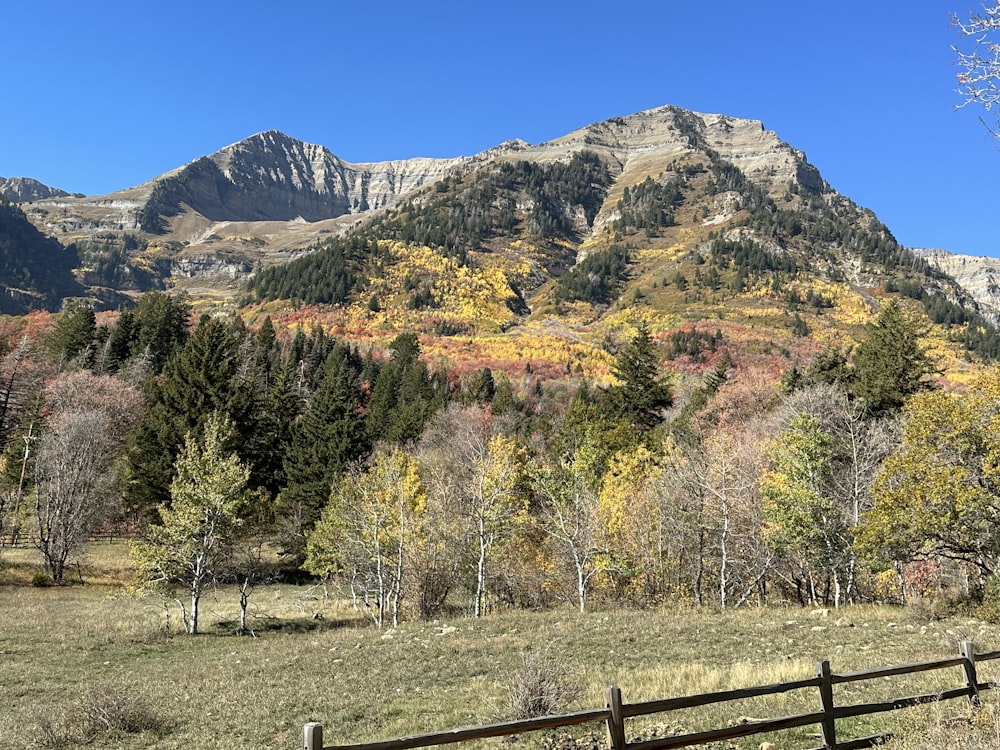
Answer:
(99, 665)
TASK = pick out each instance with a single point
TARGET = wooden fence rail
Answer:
(615, 712)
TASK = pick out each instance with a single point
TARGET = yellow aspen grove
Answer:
(366, 529)
(630, 522)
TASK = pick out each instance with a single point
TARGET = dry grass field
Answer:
(99, 665)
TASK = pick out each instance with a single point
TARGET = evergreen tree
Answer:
(280, 407)
(120, 342)
(403, 396)
(203, 377)
(503, 397)
(891, 364)
(481, 387)
(641, 395)
(74, 334)
(161, 326)
(328, 435)
(831, 366)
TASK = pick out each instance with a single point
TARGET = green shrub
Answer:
(40, 580)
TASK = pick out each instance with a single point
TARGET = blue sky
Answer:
(106, 95)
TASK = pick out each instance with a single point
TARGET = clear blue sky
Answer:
(105, 95)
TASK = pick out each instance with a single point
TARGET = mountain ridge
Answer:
(28, 189)
(612, 218)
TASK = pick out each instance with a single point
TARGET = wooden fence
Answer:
(26, 538)
(616, 712)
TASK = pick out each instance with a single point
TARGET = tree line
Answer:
(417, 490)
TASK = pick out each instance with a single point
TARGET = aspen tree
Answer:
(194, 539)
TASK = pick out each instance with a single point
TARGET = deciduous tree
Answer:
(88, 418)
(367, 529)
(488, 475)
(938, 494)
(567, 513)
(194, 539)
(802, 520)
(979, 61)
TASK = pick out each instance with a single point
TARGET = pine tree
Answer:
(891, 364)
(324, 440)
(642, 395)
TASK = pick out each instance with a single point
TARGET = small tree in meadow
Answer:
(195, 537)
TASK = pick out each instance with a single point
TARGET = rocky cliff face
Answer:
(25, 190)
(272, 177)
(978, 275)
(649, 140)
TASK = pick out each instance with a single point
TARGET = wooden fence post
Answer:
(829, 725)
(312, 736)
(968, 652)
(616, 721)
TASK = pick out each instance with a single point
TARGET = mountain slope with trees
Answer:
(36, 272)
(656, 360)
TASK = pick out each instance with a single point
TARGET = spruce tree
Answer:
(74, 334)
(206, 375)
(403, 396)
(328, 435)
(161, 326)
(891, 364)
(120, 342)
(641, 395)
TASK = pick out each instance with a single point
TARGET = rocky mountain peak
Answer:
(26, 190)
(654, 137)
(273, 177)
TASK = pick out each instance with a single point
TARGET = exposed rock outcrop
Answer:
(272, 177)
(978, 275)
(25, 190)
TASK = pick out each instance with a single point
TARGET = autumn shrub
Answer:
(540, 687)
(116, 707)
(952, 601)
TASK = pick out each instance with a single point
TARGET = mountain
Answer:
(681, 218)
(207, 225)
(272, 177)
(36, 272)
(25, 190)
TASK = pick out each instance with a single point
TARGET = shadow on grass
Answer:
(262, 625)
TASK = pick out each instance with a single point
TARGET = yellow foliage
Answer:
(623, 506)
(471, 297)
